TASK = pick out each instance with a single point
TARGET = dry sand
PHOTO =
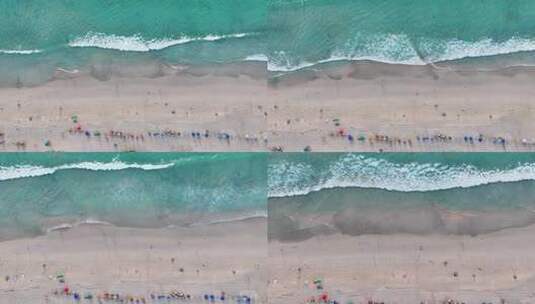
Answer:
(405, 268)
(98, 258)
(292, 111)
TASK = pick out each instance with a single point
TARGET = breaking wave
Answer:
(401, 49)
(137, 43)
(287, 178)
(15, 172)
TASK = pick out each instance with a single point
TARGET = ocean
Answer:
(37, 37)
(422, 193)
(489, 34)
(303, 194)
(40, 191)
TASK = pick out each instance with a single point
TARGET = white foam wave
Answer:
(458, 49)
(92, 222)
(399, 49)
(20, 52)
(15, 172)
(86, 222)
(256, 57)
(368, 172)
(75, 71)
(137, 43)
(61, 227)
(387, 48)
(237, 218)
(277, 67)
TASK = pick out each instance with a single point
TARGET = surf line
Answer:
(75, 71)
(424, 60)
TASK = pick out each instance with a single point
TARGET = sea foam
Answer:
(15, 172)
(400, 49)
(136, 43)
(256, 57)
(288, 178)
(20, 52)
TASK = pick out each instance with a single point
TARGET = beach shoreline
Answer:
(405, 268)
(360, 106)
(97, 258)
(406, 108)
(136, 220)
(404, 228)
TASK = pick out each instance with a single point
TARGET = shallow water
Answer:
(41, 190)
(459, 193)
(36, 37)
(309, 32)
(303, 194)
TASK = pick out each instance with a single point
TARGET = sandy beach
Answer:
(361, 106)
(189, 102)
(404, 103)
(405, 268)
(95, 259)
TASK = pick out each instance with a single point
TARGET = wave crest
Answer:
(401, 49)
(20, 52)
(291, 178)
(137, 43)
(16, 172)
(257, 57)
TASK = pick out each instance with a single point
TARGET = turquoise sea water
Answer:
(493, 190)
(307, 32)
(38, 36)
(401, 192)
(133, 189)
(292, 174)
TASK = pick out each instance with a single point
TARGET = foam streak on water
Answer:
(287, 178)
(20, 52)
(399, 49)
(137, 43)
(15, 172)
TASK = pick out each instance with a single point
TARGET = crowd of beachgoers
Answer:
(67, 294)
(321, 295)
(356, 140)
